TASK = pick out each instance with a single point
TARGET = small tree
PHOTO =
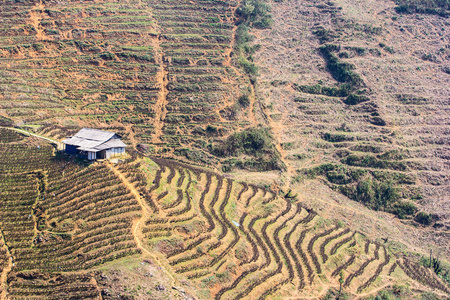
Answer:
(341, 282)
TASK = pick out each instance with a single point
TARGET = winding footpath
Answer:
(145, 215)
(59, 144)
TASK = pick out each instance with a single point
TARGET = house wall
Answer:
(114, 152)
(70, 149)
(92, 155)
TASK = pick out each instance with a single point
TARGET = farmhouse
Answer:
(95, 144)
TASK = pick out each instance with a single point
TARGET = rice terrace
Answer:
(212, 149)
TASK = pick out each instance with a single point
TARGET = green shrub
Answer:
(263, 22)
(211, 130)
(354, 99)
(387, 48)
(336, 174)
(4, 121)
(336, 138)
(423, 218)
(255, 142)
(404, 209)
(433, 7)
(249, 67)
(244, 101)
(370, 161)
(342, 91)
(429, 296)
(243, 36)
(374, 194)
(107, 56)
(38, 46)
(384, 295)
(255, 12)
(377, 121)
(343, 73)
(325, 35)
(251, 13)
(251, 142)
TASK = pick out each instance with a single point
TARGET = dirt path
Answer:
(162, 81)
(252, 99)
(277, 131)
(40, 190)
(228, 63)
(97, 287)
(59, 144)
(251, 106)
(35, 17)
(6, 270)
(136, 225)
(131, 137)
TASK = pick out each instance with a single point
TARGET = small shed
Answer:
(95, 144)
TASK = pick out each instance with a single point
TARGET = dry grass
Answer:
(415, 127)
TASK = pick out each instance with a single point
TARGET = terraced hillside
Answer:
(201, 84)
(222, 239)
(69, 51)
(357, 94)
(165, 73)
(56, 224)
(234, 240)
(341, 106)
(157, 72)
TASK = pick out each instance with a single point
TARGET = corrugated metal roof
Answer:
(88, 149)
(94, 140)
(73, 141)
(76, 141)
(113, 143)
(89, 144)
(95, 134)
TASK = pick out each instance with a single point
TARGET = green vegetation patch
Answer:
(251, 142)
(370, 161)
(351, 83)
(440, 267)
(431, 7)
(411, 99)
(256, 13)
(255, 142)
(341, 71)
(378, 190)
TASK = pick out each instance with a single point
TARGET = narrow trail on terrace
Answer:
(162, 81)
(145, 216)
(6, 270)
(228, 62)
(276, 129)
(252, 102)
(59, 144)
(35, 17)
(41, 180)
(131, 136)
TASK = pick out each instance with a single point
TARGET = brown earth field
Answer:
(278, 149)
